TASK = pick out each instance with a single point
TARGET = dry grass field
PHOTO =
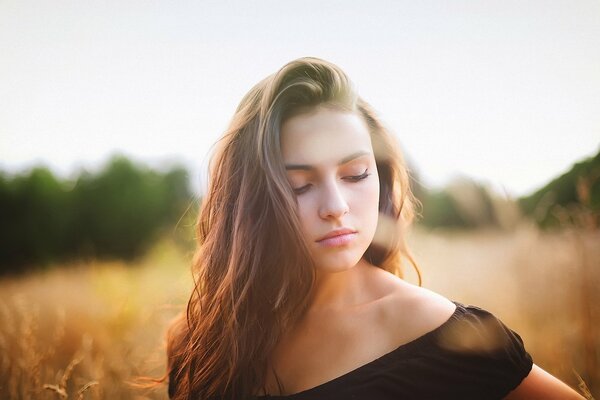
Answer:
(85, 331)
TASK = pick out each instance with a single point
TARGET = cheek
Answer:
(368, 197)
(305, 211)
(369, 207)
(374, 191)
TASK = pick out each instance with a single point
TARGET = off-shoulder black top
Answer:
(472, 355)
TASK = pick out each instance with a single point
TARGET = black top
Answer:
(472, 355)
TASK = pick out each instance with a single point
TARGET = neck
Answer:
(337, 291)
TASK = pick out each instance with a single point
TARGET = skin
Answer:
(353, 317)
(331, 167)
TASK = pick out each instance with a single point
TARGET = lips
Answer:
(335, 233)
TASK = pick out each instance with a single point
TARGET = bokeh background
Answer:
(109, 109)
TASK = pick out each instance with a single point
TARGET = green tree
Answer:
(116, 213)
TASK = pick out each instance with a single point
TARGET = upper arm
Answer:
(539, 384)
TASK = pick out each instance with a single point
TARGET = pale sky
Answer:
(506, 92)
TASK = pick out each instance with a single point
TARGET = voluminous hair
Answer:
(252, 271)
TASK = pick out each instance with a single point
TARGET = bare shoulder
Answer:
(410, 311)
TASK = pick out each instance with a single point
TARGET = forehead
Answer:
(324, 135)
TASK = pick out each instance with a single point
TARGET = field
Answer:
(88, 330)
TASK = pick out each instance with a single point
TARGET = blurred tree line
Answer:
(116, 213)
(120, 211)
(464, 204)
(572, 199)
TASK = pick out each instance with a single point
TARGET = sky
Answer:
(502, 91)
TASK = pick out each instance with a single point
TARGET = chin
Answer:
(338, 262)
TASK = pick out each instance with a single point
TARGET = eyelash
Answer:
(352, 178)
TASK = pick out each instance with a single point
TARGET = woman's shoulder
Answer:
(467, 339)
(462, 332)
(456, 327)
(411, 311)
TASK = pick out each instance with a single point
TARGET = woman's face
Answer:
(331, 167)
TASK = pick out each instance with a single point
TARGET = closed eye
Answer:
(301, 189)
(356, 178)
(351, 178)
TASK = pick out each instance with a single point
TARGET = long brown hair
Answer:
(253, 272)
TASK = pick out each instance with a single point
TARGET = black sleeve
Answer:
(482, 345)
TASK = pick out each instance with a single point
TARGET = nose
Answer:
(333, 203)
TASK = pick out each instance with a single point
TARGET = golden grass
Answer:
(542, 285)
(84, 331)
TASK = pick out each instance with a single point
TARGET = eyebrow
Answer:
(347, 159)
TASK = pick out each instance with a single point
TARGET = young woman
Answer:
(298, 294)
